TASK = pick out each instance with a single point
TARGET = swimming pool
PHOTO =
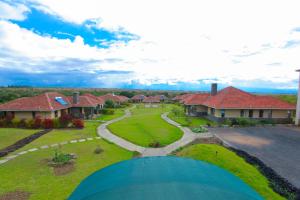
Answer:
(163, 178)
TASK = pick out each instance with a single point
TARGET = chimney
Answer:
(75, 97)
(214, 89)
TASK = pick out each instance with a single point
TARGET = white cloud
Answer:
(181, 40)
(15, 12)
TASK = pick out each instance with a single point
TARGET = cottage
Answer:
(233, 103)
(52, 105)
(138, 98)
(118, 99)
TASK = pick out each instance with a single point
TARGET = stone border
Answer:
(21, 143)
(8, 158)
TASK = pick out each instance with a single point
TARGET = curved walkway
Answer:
(188, 137)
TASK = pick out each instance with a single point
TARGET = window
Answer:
(289, 114)
(270, 114)
(212, 111)
(261, 113)
(56, 113)
(242, 113)
(33, 115)
(250, 113)
(222, 113)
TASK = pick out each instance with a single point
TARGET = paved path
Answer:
(188, 137)
(278, 147)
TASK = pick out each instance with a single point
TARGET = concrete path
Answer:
(188, 137)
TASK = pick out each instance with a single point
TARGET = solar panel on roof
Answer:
(61, 101)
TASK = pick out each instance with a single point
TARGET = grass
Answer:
(31, 173)
(118, 113)
(9, 136)
(188, 120)
(146, 126)
(288, 98)
(62, 135)
(230, 161)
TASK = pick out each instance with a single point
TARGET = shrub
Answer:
(56, 123)
(47, 124)
(22, 123)
(15, 122)
(200, 129)
(107, 111)
(65, 120)
(78, 123)
(155, 144)
(109, 104)
(177, 112)
(37, 122)
(30, 123)
(60, 158)
(98, 150)
(2, 123)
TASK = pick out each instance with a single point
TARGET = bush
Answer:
(78, 123)
(155, 144)
(37, 122)
(98, 150)
(30, 123)
(47, 124)
(65, 120)
(107, 112)
(177, 112)
(241, 122)
(61, 158)
(200, 129)
(2, 123)
(15, 123)
(109, 104)
(22, 123)
(56, 123)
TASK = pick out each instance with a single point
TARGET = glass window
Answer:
(250, 113)
(222, 113)
(33, 114)
(56, 113)
(261, 113)
(242, 113)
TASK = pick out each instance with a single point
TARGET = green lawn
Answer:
(61, 135)
(230, 161)
(9, 136)
(31, 173)
(118, 113)
(184, 120)
(146, 126)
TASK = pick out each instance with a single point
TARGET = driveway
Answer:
(278, 147)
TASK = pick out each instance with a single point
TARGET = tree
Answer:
(109, 104)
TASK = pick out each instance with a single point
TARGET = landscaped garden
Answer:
(228, 160)
(116, 112)
(146, 127)
(32, 175)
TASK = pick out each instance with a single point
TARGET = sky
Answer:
(169, 44)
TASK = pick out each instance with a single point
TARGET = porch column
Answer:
(297, 121)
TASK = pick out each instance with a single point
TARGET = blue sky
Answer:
(174, 45)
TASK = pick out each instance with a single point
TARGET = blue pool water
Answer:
(164, 178)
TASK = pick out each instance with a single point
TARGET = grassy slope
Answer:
(118, 113)
(9, 136)
(31, 173)
(146, 126)
(61, 135)
(233, 163)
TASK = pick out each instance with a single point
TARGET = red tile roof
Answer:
(234, 98)
(152, 99)
(115, 98)
(195, 99)
(43, 102)
(99, 100)
(138, 97)
(84, 101)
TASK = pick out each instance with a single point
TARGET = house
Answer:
(152, 99)
(162, 98)
(138, 98)
(52, 105)
(234, 103)
(115, 98)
